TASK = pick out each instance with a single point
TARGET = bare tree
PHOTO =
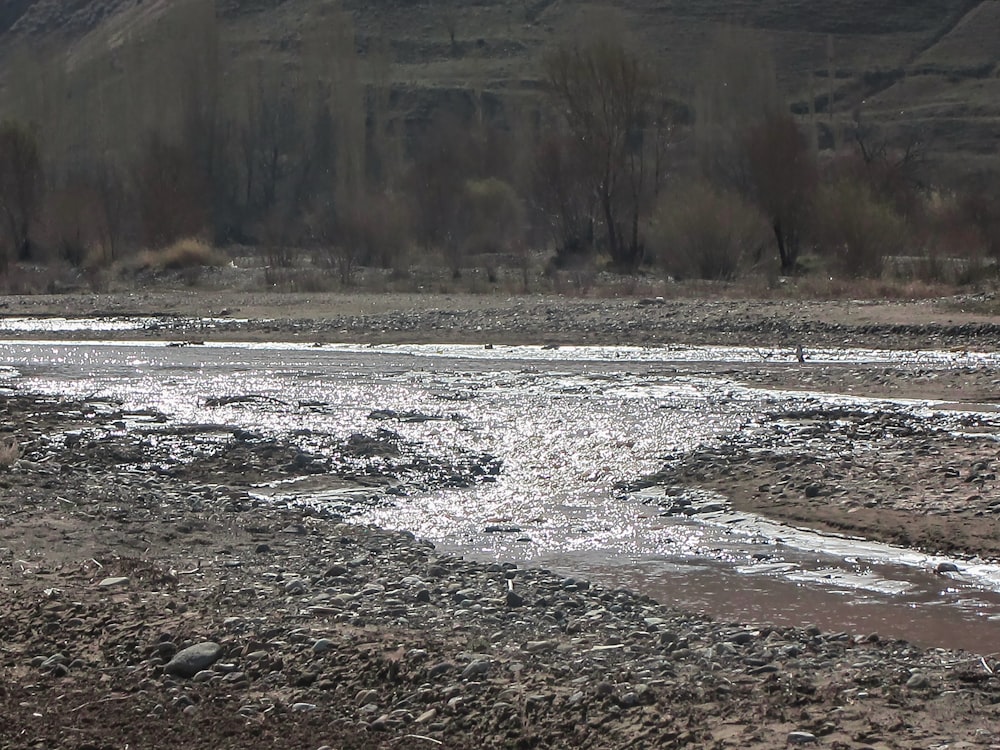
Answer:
(782, 174)
(563, 197)
(736, 90)
(20, 189)
(113, 205)
(173, 193)
(890, 164)
(605, 93)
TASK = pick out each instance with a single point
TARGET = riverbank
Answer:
(971, 322)
(123, 544)
(316, 633)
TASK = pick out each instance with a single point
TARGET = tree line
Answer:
(164, 134)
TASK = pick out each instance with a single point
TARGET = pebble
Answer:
(476, 668)
(801, 738)
(191, 660)
(440, 668)
(917, 681)
(322, 646)
(114, 582)
(594, 651)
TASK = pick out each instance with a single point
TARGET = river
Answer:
(570, 426)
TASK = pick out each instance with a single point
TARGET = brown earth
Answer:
(664, 318)
(341, 636)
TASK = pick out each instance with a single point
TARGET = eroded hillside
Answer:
(928, 65)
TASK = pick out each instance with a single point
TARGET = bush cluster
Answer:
(315, 162)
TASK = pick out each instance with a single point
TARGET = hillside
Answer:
(929, 65)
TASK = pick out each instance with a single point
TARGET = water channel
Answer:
(569, 426)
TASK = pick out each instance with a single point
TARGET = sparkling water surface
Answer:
(570, 425)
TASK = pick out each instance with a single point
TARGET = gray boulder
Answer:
(193, 659)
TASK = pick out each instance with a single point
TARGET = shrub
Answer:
(855, 229)
(189, 252)
(173, 194)
(69, 224)
(20, 188)
(370, 229)
(492, 216)
(950, 241)
(379, 225)
(980, 209)
(701, 232)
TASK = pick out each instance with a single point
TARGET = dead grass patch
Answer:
(189, 252)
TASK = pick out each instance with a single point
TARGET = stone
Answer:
(114, 582)
(502, 529)
(191, 660)
(476, 668)
(440, 668)
(537, 647)
(801, 738)
(514, 599)
(629, 700)
(917, 681)
(322, 646)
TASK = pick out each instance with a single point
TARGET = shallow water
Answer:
(569, 425)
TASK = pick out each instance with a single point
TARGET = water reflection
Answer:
(568, 425)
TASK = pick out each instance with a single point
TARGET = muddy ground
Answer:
(125, 539)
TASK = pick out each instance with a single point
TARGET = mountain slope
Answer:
(929, 66)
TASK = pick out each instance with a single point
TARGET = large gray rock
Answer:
(193, 659)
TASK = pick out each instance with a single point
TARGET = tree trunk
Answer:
(614, 241)
(636, 251)
(784, 253)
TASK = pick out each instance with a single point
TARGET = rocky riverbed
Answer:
(152, 597)
(881, 474)
(960, 322)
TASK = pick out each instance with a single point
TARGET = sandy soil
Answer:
(119, 549)
(482, 319)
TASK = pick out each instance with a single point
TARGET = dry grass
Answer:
(189, 252)
(819, 287)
